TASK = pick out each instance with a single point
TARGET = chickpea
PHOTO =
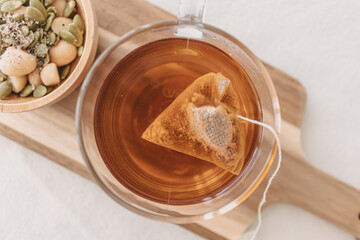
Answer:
(16, 62)
(59, 6)
(63, 53)
(19, 82)
(60, 23)
(50, 75)
(34, 78)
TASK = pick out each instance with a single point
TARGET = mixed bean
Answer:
(38, 42)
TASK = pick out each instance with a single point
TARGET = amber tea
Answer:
(141, 86)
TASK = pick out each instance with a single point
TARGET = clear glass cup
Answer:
(190, 24)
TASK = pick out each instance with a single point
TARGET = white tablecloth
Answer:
(316, 41)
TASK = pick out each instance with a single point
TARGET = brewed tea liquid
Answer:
(138, 89)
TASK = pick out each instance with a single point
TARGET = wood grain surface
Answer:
(50, 131)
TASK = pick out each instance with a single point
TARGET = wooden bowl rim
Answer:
(77, 75)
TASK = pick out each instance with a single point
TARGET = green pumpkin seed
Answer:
(10, 6)
(25, 30)
(67, 36)
(39, 6)
(39, 91)
(52, 38)
(51, 9)
(25, 46)
(44, 40)
(79, 22)
(36, 39)
(49, 89)
(41, 31)
(3, 1)
(48, 2)
(3, 76)
(32, 26)
(80, 50)
(30, 39)
(35, 14)
(26, 91)
(77, 33)
(46, 59)
(41, 50)
(49, 20)
(69, 8)
(0, 39)
(64, 72)
(5, 89)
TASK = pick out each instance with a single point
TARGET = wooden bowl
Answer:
(79, 68)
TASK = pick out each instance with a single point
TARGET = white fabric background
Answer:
(316, 41)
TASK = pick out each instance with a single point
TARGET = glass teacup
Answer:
(190, 27)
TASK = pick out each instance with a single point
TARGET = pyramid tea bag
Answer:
(202, 122)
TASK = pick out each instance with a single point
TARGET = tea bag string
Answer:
(263, 200)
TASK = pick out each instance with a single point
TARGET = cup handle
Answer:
(191, 12)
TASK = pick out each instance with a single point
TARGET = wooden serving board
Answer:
(51, 132)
